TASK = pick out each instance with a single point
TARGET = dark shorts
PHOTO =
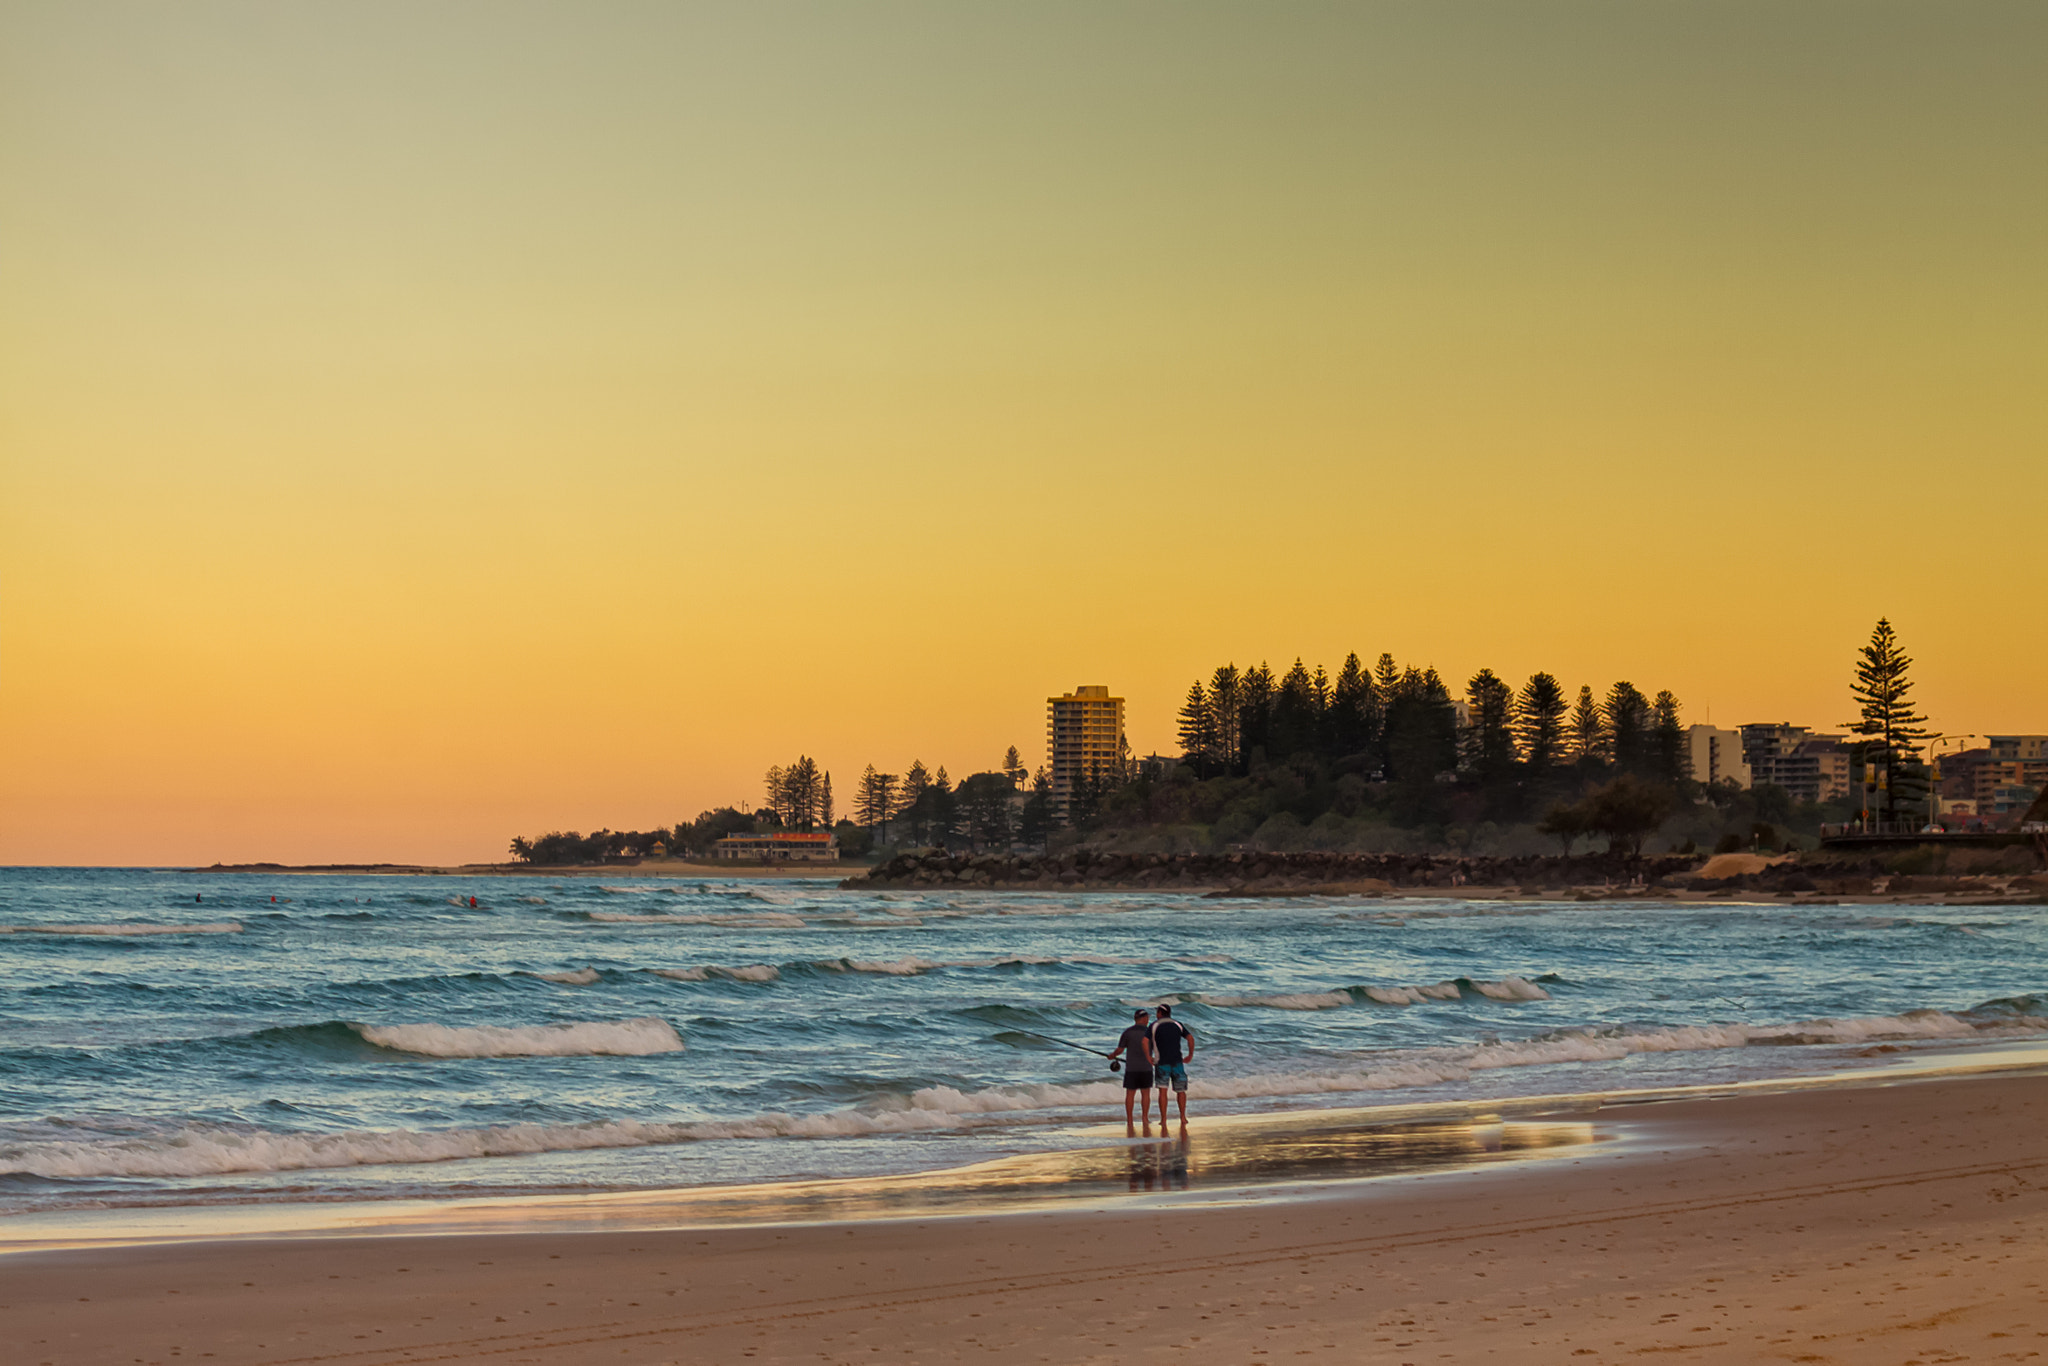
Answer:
(1134, 1080)
(1171, 1073)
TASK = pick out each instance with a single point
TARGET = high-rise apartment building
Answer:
(1084, 733)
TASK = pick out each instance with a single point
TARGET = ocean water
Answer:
(172, 1038)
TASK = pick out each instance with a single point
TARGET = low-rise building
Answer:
(1833, 762)
(2019, 749)
(1772, 752)
(1811, 768)
(1159, 768)
(1979, 774)
(2008, 801)
(782, 846)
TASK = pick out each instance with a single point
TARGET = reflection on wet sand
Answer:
(1232, 1158)
(1220, 1157)
(1238, 1156)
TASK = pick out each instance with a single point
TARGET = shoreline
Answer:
(1784, 879)
(1987, 892)
(1250, 1155)
(653, 868)
(1902, 1215)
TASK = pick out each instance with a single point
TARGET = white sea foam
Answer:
(624, 1038)
(579, 977)
(204, 1150)
(125, 929)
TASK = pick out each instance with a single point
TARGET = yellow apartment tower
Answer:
(1085, 733)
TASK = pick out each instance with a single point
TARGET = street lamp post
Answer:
(1934, 743)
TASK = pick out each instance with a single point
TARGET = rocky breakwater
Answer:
(1867, 878)
(1253, 874)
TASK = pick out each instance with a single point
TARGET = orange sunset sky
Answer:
(426, 423)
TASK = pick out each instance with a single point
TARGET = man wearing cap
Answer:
(1137, 1043)
(1170, 1039)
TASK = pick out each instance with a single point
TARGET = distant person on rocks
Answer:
(1173, 1048)
(1136, 1044)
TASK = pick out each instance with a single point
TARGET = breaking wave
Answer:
(757, 972)
(759, 920)
(1510, 988)
(1413, 996)
(608, 1038)
(1285, 1000)
(907, 967)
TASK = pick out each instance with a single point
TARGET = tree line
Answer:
(799, 795)
(1402, 725)
(925, 807)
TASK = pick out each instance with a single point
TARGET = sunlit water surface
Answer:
(173, 1038)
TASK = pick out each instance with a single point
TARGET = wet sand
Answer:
(1897, 1221)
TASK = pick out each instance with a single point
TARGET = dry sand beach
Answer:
(1897, 1219)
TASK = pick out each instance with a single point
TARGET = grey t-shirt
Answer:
(1133, 1041)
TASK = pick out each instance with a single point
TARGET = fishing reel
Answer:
(1115, 1066)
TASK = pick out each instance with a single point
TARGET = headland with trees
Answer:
(1385, 758)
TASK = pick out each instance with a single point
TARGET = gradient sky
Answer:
(425, 423)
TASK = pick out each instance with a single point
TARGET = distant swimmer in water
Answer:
(1137, 1041)
(472, 903)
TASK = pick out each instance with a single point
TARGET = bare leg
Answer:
(1182, 1097)
(1130, 1127)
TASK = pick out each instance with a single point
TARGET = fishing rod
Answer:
(1114, 1065)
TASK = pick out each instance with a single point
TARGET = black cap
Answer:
(1166, 1010)
(1140, 1014)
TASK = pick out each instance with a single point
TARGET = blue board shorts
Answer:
(1175, 1072)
